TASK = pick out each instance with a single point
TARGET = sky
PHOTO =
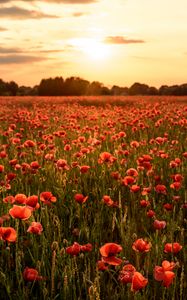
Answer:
(112, 41)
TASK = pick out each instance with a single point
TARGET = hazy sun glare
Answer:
(93, 48)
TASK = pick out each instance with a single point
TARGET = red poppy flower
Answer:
(178, 177)
(132, 172)
(172, 248)
(127, 273)
(165, 273)
(9, 199)
(109, 202)
(135, 188)
(101, 265)
(62, 164)
(47, 197)
(150, 213)
(86, 248)
(8, 234)
(20, 198)
(84, 169)
(138, 282)
(30, 274)
(32, 202)
(168, 206)
(11, 176)
(74, 249)
(144, 203)
(115, 175)
(106, 157)
(141, 245)
(161, 189)
(29, 143)
(80, 198)
(109, 252)
(35, 228)
(176, 185)
(128, 180)
(2, 168)
(20, 212)
(159, 224)
(34, 165)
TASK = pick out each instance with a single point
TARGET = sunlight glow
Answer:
(93, 48)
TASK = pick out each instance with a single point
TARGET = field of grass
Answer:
(93, 198)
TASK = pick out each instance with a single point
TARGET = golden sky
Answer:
(111, 41)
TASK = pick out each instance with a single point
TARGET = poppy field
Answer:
(93, 198)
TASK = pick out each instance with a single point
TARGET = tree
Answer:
(12, 88)
(138, 89)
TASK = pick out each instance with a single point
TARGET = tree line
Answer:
(76, 86)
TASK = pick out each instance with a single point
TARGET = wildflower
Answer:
(108, 201)
(20, 212)
(84, 169)
(34, 165)
(144, 203)
(8, 234)
(141, 245)
(73, 250)
(176, 185)
(62, 164)
(32, 202)
(161, 189)
(115, 175)
(35, 228)
(86, 248)
(150, 213)
(47, 198)
(101, 265)
(168, 206)
(20, 198)
(109, 252)
(80, 198)
(138, 282)
(11, 176)
(2, 168)
(30, 274)
(127, 273)
(132, 172)
(106, 157)
(29, 144)
(128, 180)
(172, 248)
(135, 188)
(159, 224)
(164, 273)
(9, 199)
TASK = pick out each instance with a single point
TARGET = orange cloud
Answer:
(19, 59)
(122, 40)
(16, 12)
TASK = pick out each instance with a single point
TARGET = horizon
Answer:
(145, 43)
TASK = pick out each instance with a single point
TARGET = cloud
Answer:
(51, 51)
(122, 40)
(55, 1)
(4, 50)
(2, 29)
(11, 50)
(72, 1)
(21, 13)
(19, 59)
(79, 14)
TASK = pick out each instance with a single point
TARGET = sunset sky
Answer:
(112, 41)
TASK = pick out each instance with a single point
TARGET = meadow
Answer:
(93, 198)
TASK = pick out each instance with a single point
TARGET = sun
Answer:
(93, 48)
